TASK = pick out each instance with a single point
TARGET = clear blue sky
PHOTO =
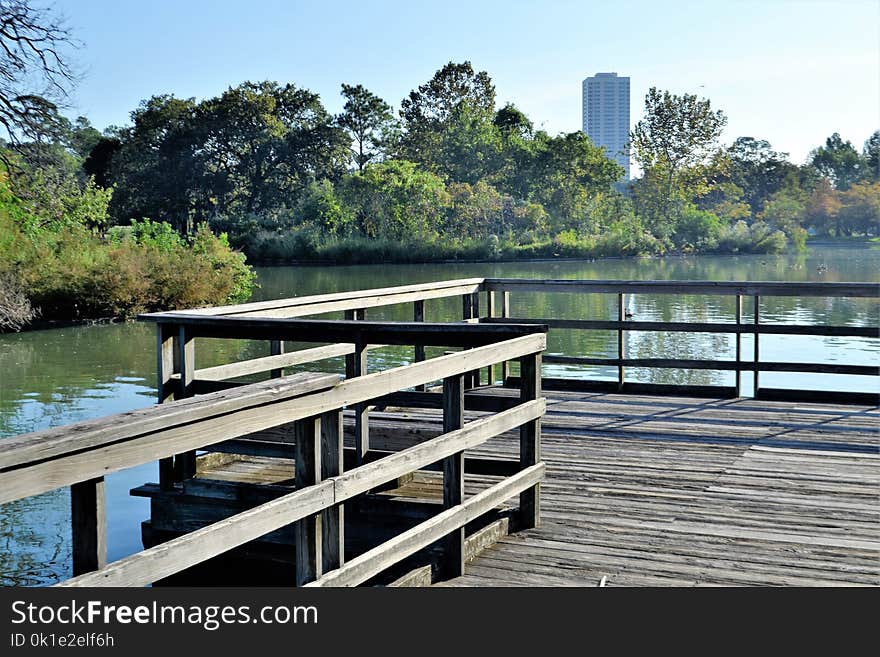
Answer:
(791, 72)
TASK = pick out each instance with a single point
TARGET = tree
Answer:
(35, 77)
(757, 170)
(427, 110)
(511, 122)
(838, 161)
(677, 133)
(368, 119)
(871, 154)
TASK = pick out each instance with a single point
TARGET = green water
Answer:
(54, 377)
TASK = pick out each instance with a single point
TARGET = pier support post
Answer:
(185, 463)
(490, 312)
(419, 349)
(757, 350)
(276, 348)
(356, 365)
(308, 531)
(88, 516)
(530, 440)
(332, 519)
(505, 313)
(621, 347)
(165, 387)
(739, 313)
(452, 563)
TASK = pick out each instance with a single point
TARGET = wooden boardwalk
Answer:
(657, 491)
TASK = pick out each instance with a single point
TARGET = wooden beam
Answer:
(185, 462)
(452, 564)
(308, 530)
(374, 561)
(530, 440)
(696, 327)
(333, 518)
(88, 517)
(721, 365)
(749, 288)
(320, 330)
(327, 303)
(24, 449)
(178, 554)
(419, 349)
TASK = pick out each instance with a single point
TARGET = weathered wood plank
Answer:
(175, 555)
(308, 530)
(452, 563)
(748, 288)
(694, 327)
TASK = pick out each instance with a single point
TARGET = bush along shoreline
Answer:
(68, 269)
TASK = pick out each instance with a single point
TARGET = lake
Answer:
(58, 376)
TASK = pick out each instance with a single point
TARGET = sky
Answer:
(789, 71)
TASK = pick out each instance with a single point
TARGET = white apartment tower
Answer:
(606, 115)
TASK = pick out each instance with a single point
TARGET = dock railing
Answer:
(311, 405)
(741, 291)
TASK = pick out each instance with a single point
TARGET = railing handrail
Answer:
(190, 549)
(43, 461)
(325, 303)
(756, 288)
(448, 334)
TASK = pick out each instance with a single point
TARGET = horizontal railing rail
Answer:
(755, 290)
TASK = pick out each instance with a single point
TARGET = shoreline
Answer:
(42, 324)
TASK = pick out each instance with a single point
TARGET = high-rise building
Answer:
(606, 115)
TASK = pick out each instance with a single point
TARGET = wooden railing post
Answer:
(739, 312)
(530, 440)
(452, 564)
(185, 349)
(356, 365)
(165, 388)
(276, 348)
(419, 349)
(490, 312)
(308, 531)
(621, 348)
(757, 350)
(505, 313)
(332, 519)
(88, 525)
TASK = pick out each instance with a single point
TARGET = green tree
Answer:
(677, 133)
(397, 200)
(368, 120)
(871, 155)
(757, 170)
(157, 168)
(427, 110)
(838, 161)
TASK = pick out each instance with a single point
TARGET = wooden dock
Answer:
(433, 473)
(671, 491)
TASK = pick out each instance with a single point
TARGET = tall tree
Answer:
(678, 133)
(838, 161)
(35, 76)
(368, 120)
(428, 109)
(758, 170)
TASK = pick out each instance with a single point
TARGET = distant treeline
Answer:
(448, 175)
(451, 174)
